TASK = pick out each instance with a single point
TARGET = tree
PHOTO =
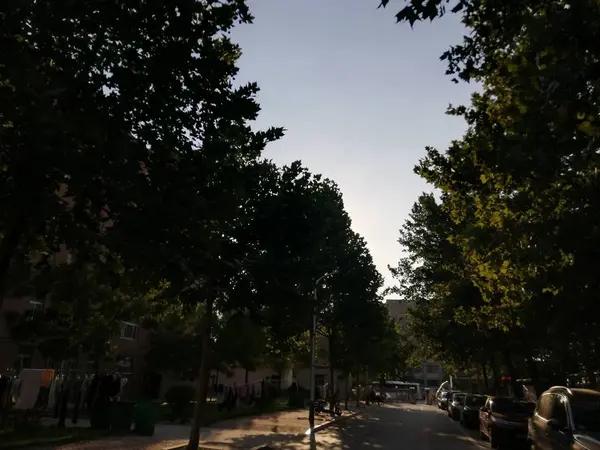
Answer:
(175, 340)
(350, 293)
(522, 179)
(240, 341)
(141, 131)
(294, 227)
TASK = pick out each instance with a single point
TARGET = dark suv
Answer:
(566, 419)
(503, 421)
(469, 415)
(456, 405)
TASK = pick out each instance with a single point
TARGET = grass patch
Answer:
(37, 435)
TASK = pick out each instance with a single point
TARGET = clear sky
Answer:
(360, 97)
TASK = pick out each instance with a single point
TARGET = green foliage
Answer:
(520, 187)
(175, 341)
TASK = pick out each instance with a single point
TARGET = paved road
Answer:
(404, 426)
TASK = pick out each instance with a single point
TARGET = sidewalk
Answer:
(286, 428)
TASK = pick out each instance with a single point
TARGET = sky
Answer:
(360, 97)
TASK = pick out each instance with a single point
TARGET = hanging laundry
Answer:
(31, 381)
(47, 377)
(15, 390)
(121, 387)
(258, 390)
(52, 394)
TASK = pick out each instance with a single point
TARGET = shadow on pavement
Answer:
(415, 427)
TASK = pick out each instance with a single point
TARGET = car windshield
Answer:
(475, 401)
(508, 406)
(459, 398)
(586, 414)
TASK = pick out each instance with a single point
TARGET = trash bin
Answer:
(146, 415)
(121, 416)
(100, 415)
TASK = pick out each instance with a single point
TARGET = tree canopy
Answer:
(519, 189)
(133, 186)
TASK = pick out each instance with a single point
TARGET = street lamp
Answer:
(313, 338)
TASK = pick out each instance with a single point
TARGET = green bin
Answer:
(121, 416)
(146, 415)
(100, 416)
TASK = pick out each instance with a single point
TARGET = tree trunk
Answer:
(496, 375)
(347, 388)
(202, 384)
(534, 375)
(331, 374)
(357, 387)
(479, 383)
(367, 387)
(512, 373)
(9, 245)
(486, 379)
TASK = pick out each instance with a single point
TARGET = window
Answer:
(125, 364)
(23, 358)
(505, 405)
(476, 401)
(586, 412)
(432, 368)
(52, 364)
(559, 411)
(544, 406)
(129, 330)
(319, 380)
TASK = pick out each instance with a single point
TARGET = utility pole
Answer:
(313, 333)
(313, 339)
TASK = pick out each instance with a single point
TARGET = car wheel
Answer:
(493, 438)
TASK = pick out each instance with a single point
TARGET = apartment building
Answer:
(131, 345)
(15, 355)
(299, 374)
(430, 373)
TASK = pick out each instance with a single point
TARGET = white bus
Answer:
(400, 391)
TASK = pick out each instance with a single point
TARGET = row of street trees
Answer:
(501, 260)
(132, 185)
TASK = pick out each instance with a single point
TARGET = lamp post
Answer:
(313, 338)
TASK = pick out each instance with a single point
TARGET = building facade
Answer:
(430, 373)
(131, 346)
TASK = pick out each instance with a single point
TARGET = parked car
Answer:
(456, 405)
(503, 421)
(469, 414)
(566, 419)
(444, 399)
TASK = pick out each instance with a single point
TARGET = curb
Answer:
(325, 425)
